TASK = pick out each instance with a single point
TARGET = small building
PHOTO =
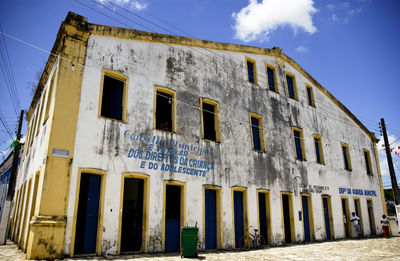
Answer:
(132, 135)
(5, 173)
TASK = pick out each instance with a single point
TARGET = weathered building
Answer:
(133, 134)
(5, 205)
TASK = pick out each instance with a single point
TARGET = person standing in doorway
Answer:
(355, 220)
(385, 226)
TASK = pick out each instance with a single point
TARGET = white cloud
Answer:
(132, 4)
(301, 49)
(330, 6)
(254, 20)
(334, 18)
(139, 6)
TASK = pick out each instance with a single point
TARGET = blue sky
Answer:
(350, 47)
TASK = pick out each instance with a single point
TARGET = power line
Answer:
(8, 74)
(322, 111)
(5, 126)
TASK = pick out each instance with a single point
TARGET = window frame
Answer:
(308, 87)
(267, 65)
(173, 113)
(49, 97)
(295, 91)
(216, 119)
(118, 76)
(252, 61)
(260, 132)
(302, 144)
(321, 151)
(368, 163)
(347, 151)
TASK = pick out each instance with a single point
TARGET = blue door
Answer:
(306, 221)
(88, 214)
(238, 216)
(172, 218)
(211, 218)
(326, 217)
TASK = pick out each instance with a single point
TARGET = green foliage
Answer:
(389, 194)
(390, 209)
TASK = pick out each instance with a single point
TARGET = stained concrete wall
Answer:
(222, 77)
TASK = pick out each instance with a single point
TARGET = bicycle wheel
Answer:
(260, 241)
(244, 243)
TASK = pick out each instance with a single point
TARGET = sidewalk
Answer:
(342, 250)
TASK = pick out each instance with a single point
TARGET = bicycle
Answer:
(255, 240)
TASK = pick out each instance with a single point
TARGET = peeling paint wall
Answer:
(222, 77)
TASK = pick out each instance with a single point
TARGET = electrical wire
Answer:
(329, 115)
(240, 122)
(8, 74)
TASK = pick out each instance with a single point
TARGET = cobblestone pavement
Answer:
(341, 250)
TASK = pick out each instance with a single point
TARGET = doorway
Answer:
(132, 215)
(264, 214)
(172, 218)
(346, 217)
(239, 215)
(211, 219)
(287, 210)
(307, 218)
(357, 208)
(326, 203)
(371, 217)
(88, 214)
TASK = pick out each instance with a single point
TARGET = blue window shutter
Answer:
(310, 102)
(256, 133)
(346, 160)
(316, 142)
(271, 79)
(297, 140)
(289, 80)
(250, 71)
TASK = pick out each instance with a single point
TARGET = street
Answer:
(343, 250)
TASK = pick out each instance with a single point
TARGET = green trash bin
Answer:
(189, 241)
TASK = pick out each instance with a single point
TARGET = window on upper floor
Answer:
(34, 121)
(164, 110)
(367, 158)
(49, 97)
(40, 113)
(257, 132)
(271, 79)
(299, 144)
(310, 96)
(291, 86)
(113, 96)
(251, 70)
(319, 153)
(210, 121)
(346, 156)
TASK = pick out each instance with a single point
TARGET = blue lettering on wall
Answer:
(360, 192)
(169, 155)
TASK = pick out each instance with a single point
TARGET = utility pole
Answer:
(390, 163)
(5, 217)
(14, 166)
